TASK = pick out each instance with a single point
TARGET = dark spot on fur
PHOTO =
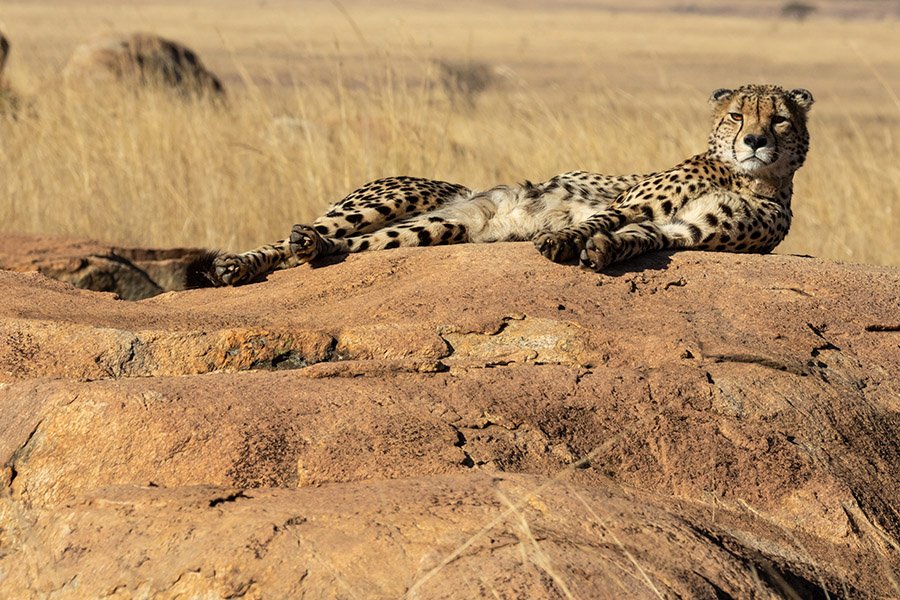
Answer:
(696, 234)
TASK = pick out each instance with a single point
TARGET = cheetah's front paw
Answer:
(230, 269)
(558, 247)
(305, 243)
(597, 253)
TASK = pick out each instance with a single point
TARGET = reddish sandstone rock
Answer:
(457, 422)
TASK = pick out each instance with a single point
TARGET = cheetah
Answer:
(735, 197)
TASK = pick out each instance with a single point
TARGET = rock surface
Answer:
(459, 422)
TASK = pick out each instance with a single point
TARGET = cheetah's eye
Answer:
(778, 120)
(738, 117)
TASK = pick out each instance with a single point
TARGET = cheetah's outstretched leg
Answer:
(369, 208)
(235, 269)
(467, 218)
(605, 248)
(307, 244)
(567, 243)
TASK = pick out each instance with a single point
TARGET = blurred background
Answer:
(322, 96)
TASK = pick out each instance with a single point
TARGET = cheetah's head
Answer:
(760, 129)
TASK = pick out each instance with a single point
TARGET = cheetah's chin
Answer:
(754, 163)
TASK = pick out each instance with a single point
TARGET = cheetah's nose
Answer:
(755, 142)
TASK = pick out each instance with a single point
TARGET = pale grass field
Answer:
(325, 96)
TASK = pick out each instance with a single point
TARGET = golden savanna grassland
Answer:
(324, 96)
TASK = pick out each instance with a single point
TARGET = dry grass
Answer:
(328, 96)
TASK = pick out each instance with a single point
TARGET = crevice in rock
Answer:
(792, 289)
(20, 453)
(718, 591)
(790, 584)
(779, 577)
(762, 361)
(883, 328)
(283, 362)
(820, 333)
(460, 443)
(238, 495)
(126, 365)
(292, 359)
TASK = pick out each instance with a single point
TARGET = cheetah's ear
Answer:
(802, 97)
(721, 95)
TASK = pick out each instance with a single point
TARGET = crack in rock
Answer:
(20, 453)
(883, 328)
(238, 495)
(763, 361)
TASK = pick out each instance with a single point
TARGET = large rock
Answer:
(453, 423)
(142, 59)
(130, 273)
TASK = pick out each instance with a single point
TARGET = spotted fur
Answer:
(735, 197)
